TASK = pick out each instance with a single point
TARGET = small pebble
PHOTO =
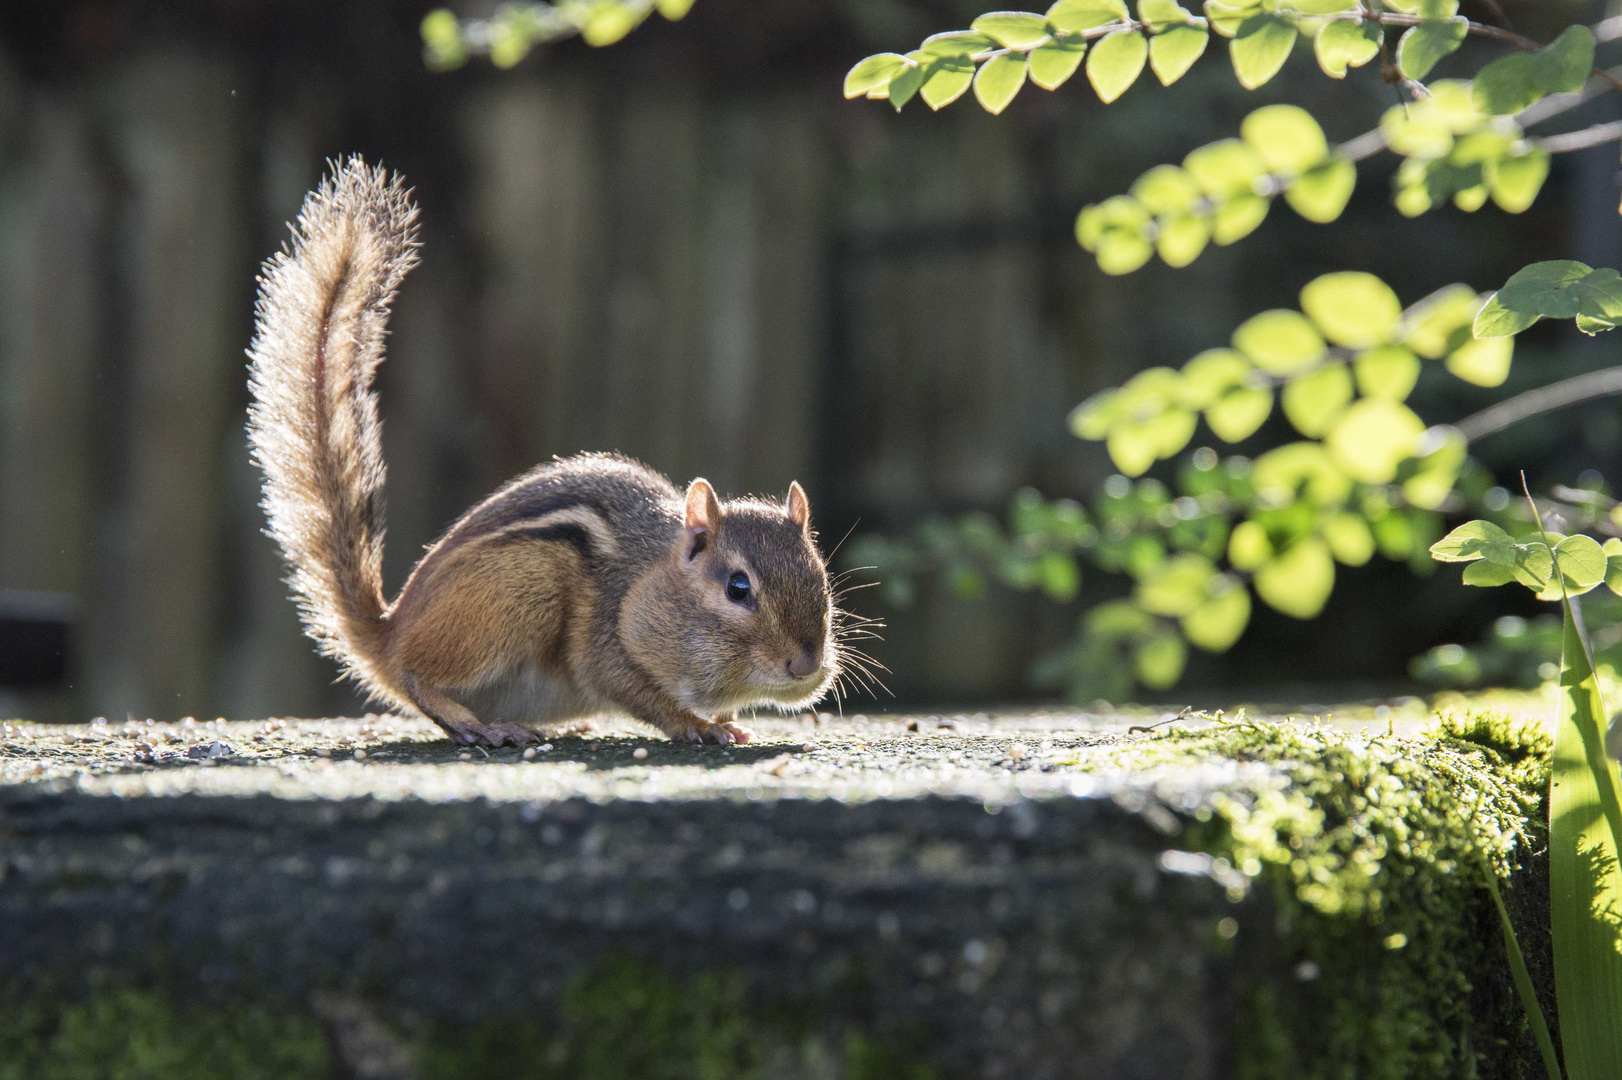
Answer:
(464, 756)
(323, 752)
(360, 755)
(593, 748)
(529, 754)
(545, 747)
(640, 752)
(946, 725)
(810, 746)
(912, 725)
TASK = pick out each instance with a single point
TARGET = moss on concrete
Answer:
(1368, 846)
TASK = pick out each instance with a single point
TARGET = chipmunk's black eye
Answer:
(738, 588)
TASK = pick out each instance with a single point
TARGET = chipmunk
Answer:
(587, 585)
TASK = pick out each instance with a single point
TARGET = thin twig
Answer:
(1595, 384)
(1582, 139)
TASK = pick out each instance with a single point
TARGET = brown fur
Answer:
(589, 584)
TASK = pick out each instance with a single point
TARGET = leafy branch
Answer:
(515, 29)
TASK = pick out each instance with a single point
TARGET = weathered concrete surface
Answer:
(959, 888)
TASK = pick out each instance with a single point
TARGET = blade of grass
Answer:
(1522, 977)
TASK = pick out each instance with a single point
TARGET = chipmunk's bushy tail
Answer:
(321, 319)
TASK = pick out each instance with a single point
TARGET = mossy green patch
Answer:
(1367, 846)
(130, 1034)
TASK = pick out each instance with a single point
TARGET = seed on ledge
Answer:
(912, 725)
(323, 752)
(529, 754)
(464, 756)
(594, 747)
(640, 752)
(360, 755)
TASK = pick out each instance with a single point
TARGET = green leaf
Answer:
(1226, 19)
(1488, 575)
(1321, 193)
(1012, 29)
(1343, 43)
(1496, 320)
(999, 79)
(1288, 139)
(1059, 575)
(1176, 587)
(1280, 342)
(1158, 662)
(1226, 169)
(1115, 63)
(1442, 454)
(1052, 64)
(610, 22)
(874, 72)
(904, 86)
(1211, 374)
(1563, 65)
(1299, 581)
(1117, 212)
(1352, 308)
(945, 80)
(1166, 189)
(1298, 469)
(674, 10)
(1581, 561)
(1248, 546)
(1423, 45)
(1160, 15)
(1373, 438)
(954, 45)
(1387, 372)
(1585, 882)
(1484, 362)
(1260, 47)
(1475, 540)
(1182, 238)
(1218, 622)
(1075, 16)
(1238, 218)
(1613, 565)
(1418, 130)
(1441, 322)
(1349, 539)
(1315, 401)
(1239, 413)
(1516, 179)
(1545, 288)
(1172, 52)
(1505, 86)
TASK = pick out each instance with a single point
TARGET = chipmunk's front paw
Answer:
(720, 733)
(493, 735)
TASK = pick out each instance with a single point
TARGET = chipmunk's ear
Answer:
(798, 507)
(702, 517)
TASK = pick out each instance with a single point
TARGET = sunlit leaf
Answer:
(1343, 43)
(1387, 372)
(1075, 16)
(999, 79)
(1260, 47)
(1280, 342)
(1484, 362)
(1052, 64)
(1563, 65)
(1115, 62)
(1167, 189)
(1581, 561)
(1475, 540)
(1248, 546)
(945, 80)
(1121, 252)
(1300, 470)
(1613, 565)
(1546, 288)
(1349, 539)
(1441, 322)
(1226, 169)
(1288, 139)
(1374, 437)
(1515, 179)
(1423, 45)
(873, 72)
(1505, 86)
(1352, 308)
(1219, 621)
(1172, 52)
(1161, 15)
(1239, 413)
(905, 85)
(674, 9)
(954, 45)
(1182, 238)
(1417, 130)
(1238, 218)
(1059, 576)
(1177, 586)
(1321, 193)
(1158, 662)
(1227, 18)
(1314, 402)
(1442, 453)
(1487, 575)
(1298, 581)
(1211, 374)
(1116, 212)
(1012, 29)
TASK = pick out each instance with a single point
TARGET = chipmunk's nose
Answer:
(804, 662)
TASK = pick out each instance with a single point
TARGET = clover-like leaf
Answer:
(874, 72)
(1298, 581)
(1288, 139)
(1115, 62)
(1012, 29)
(1249, 546)
(1076, 16)
(1441, 322)
(1423, 45)
(1563, 65)
(1515, 179)
(1388, 372)
(1239, 413)
(1167, 189)
(1475, 540)
(1373, 438)
(1313, 402)
(953, 44)
(1280, 342)
(1321, 193)
(1226, 168)
(1299, 469)
(1260, 47)
(1352, 308)
(1227, 18)
(998, 80)
(1343, 43)
(1182, 237)
(1219, 621)
(1211, 374)
(1483, 362)
(1053, 62)
(1173, 51)
(1349, 539)
(1238, 217)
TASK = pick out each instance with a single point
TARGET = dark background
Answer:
(687, 247)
